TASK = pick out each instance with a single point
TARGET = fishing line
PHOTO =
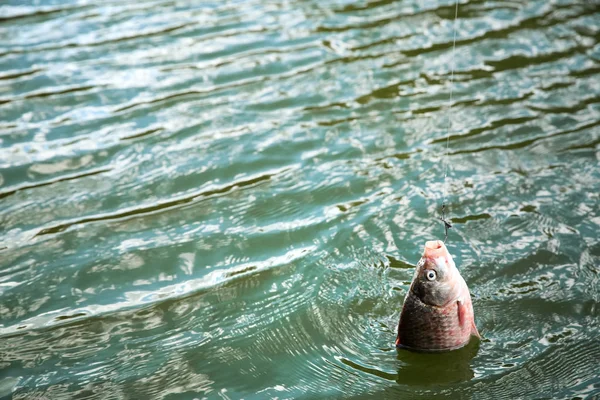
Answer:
(447, 224)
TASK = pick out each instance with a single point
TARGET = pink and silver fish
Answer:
(437, 314)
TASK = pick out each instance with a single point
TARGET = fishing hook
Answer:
(447, 225)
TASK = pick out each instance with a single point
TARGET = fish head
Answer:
(437, 281)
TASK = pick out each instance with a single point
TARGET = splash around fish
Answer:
(437, 314)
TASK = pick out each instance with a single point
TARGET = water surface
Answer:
(227, 199)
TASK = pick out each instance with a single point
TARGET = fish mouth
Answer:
(435, 249)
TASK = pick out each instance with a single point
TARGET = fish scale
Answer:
(430, 328)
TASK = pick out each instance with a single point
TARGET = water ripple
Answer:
(227, 199)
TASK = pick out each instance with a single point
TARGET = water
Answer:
(227, 199)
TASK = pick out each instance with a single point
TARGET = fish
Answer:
(437, 314)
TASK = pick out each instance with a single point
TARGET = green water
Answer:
(227, 199)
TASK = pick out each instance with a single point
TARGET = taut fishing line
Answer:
(447, 224)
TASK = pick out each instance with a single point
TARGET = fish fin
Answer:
(462, 313)
(398, 340)
(474, 330)
(462, 310)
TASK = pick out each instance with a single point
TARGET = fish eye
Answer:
(430, 275)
